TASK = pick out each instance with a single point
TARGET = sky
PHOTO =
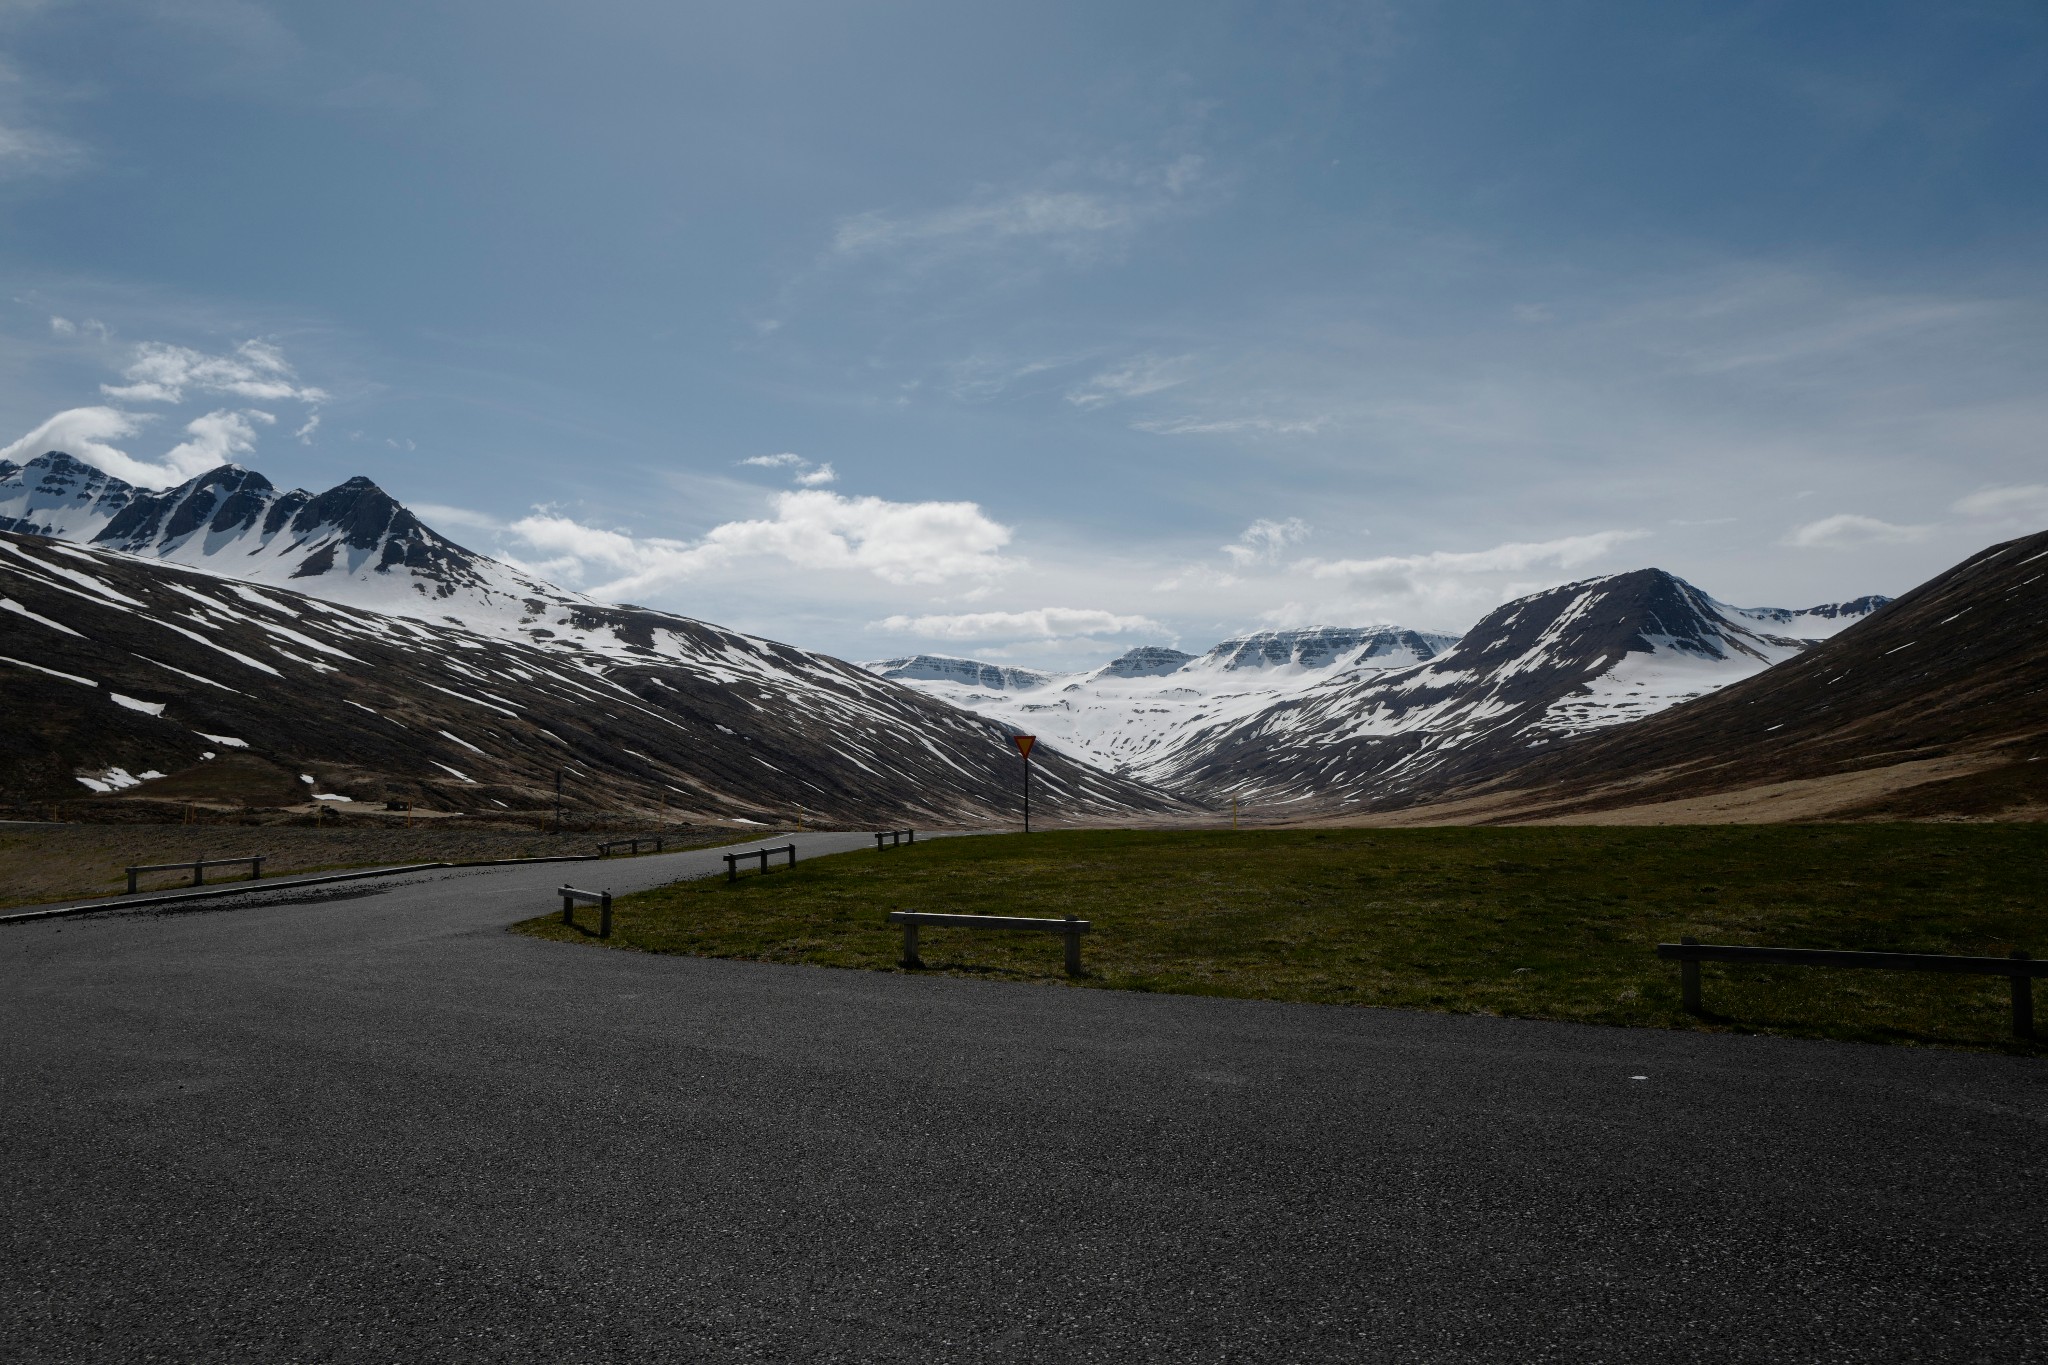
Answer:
(1034, 332)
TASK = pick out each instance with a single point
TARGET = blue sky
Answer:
(1038, 331)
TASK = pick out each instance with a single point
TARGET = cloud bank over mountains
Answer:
(930, 572)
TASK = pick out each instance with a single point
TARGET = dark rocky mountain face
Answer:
(1147, 661)
(1536, 670)
(1322, 646)
(1952, 677)
(354, 542)
(114, 667)
(969, 672)
(56, 495)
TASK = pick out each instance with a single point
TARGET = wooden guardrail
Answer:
(199, 866)
(601, 899)
(2022, 968)
(604, 849)
(1071, 927)
(732, 860)
(895, 837)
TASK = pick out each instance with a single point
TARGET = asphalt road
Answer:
(371, 1125)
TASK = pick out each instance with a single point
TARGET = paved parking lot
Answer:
(367, 1123)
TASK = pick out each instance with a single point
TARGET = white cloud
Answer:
(1264, 539)
(305, 432)
(32, 150)
(161, 373)
(1045, 623)
(1391, 571)
(215, 440)
(899, 543)
(1132, 379)
(88, 433)
(84, 433)
(806, 473)
(1232, 426)
(1034, 213)
(1112, 199)
(1846, 530)
(1196, 576)
(2020, 502)
(439, 515)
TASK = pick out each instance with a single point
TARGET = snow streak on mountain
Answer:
(1133, 714)
(1320, 718)
(382, 654)
(1536, 671)
(354, 543)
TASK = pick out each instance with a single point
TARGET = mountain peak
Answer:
(970, 672)
(1147, 661)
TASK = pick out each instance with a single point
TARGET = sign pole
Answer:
(1024, 743)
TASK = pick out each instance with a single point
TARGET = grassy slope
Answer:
(1552, 923)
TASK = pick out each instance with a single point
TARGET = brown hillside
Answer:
(1936, 706)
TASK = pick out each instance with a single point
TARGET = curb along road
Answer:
(259, 886)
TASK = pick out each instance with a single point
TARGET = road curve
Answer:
(365, 1123)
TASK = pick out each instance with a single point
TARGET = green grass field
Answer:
(1546, 923)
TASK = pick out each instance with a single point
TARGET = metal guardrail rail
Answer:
(2021, 967)
(604, 849)
(1071, 927)
(601, 899)
(732, 860)
(895, 837)
(199, 866)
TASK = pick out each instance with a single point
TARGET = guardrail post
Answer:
(568, 907)
(910, 957)
(604, 916)
(764, 862)
(1689, 981)
(199, 873)
(913, 835)
(792, 855)
(257, 876)
(1073, 937)
(2022, 1000)
(732, 867)
(131, 881)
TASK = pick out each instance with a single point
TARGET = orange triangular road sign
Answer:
(1024, 743)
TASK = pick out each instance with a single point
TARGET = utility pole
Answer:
(1024, 743)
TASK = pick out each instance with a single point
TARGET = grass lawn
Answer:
(1546, 923)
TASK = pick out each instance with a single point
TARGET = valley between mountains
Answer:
(225, 641)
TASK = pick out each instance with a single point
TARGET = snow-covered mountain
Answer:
(963, 672)
(1936, 707)
(376, 647)
(1538, 670)
(1133, 712)
(354, 543)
